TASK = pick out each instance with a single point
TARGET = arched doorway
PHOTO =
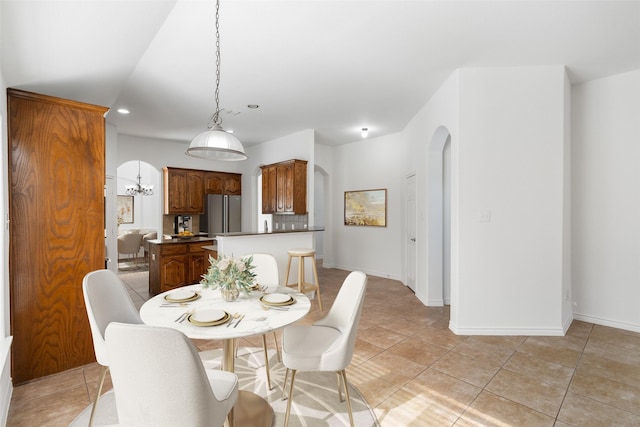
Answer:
(439, 218)
(138, 213)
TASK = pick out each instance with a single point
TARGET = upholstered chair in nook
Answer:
(159, 379)
(106, 300)
(328, 344)
(129, 244)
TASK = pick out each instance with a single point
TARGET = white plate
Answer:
(181, 295)
(276, 298)
(207, 315)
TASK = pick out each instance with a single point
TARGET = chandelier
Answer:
(215, 143)
(134, 190)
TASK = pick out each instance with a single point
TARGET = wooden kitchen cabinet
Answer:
(183, 191)
(269, 189)
(175, 264)
(284, 188)
(223, 183)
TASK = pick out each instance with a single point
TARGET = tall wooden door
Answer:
(56, 207)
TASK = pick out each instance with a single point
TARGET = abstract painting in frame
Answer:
(125, 209)
(365, 208)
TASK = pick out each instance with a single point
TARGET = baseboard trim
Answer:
(367, 272)
(6, 387)
(607, 322)
(545, 332)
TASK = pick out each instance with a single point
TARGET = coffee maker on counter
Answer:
(181, 223)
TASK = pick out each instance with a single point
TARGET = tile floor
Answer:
(415, 372)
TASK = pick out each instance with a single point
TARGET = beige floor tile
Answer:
(419, 352)
(470, 369)
(606, 391)
(489, 353)
(381, 336)
(406, 409)
(491, 410)
(373, 388)
(527, 391)
(540, 370)
(624, 373)
(393, 368)
(546, 350)
(612, 346)
(581, 411)
(440, 337)
(443, 391)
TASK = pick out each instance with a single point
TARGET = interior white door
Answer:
(411, 231)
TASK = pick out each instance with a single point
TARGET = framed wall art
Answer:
(125, 209)
(365, 208)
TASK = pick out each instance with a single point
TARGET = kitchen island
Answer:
(276, 243)
(178, 262)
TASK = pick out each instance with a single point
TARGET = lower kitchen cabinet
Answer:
(175, 263)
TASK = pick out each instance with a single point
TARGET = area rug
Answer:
(315, 400)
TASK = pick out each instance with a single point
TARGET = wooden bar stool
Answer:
(302, 254)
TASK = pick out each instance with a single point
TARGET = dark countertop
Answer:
(198, 238)
(260, 233)
(181, 240)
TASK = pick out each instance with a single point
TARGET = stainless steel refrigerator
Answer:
(222, 214)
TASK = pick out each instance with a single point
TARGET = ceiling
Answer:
(331, 66)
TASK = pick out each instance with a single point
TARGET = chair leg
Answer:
(286, 418)
(315, 276)
(266, 360)
(103, 375)
(275, 339)
(286, 279)
(284, 385)
(346, 391)
(340, 386)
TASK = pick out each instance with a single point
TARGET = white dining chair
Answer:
(106, 300)
(267, 274)
(159, 379)
(328, 344)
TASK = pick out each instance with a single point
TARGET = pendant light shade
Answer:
(216, 144)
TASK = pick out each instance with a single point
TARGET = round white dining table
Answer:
(254, 319)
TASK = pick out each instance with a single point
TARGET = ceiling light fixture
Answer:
(215, 143)
(123, 111)
(364, 132)
(134, 190)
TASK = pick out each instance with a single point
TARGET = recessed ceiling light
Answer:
(253, 106)
(123, 111)
(364, 132)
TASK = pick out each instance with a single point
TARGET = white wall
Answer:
(6, 387)
(511, 163)
(438, 116)
(366, 165)
(606, 201)
(295, 146)
(147, 210)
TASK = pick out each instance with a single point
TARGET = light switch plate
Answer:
(484, 215)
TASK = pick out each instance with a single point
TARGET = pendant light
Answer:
(215, 143)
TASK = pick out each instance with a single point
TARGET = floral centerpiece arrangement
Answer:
(231, 275)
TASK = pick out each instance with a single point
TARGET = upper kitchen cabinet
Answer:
(284, 188)
(223, 183)
(183, 191)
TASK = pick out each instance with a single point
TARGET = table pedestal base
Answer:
(252, 410)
